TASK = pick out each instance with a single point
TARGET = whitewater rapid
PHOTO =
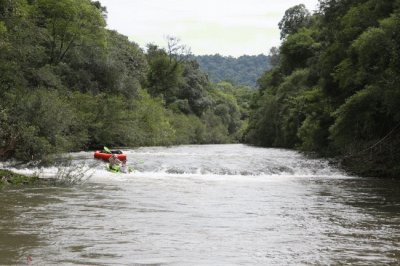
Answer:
(203, 205)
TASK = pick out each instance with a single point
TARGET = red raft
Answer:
(102, 155)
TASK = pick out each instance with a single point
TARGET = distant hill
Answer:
(244, 70)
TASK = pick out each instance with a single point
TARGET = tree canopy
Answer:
(244, 70)
(294, 19)
(335, 87)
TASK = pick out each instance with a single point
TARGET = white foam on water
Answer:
(209, 162)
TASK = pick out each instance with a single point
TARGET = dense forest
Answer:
(334, 89)
(67, 83)
(244, 70)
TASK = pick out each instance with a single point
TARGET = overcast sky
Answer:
(227, 27)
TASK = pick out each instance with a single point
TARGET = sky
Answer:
(227, 27)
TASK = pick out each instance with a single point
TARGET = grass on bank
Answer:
(67, 175)
(9, 178)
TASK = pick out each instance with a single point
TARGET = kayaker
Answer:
(124, 168)
(115, 163)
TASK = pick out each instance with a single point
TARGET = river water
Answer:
(205, 205)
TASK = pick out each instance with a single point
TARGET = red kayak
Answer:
(105, 156)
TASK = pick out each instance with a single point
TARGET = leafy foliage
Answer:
(8, 178)
(335, 88)
(243, 70)
(67, 83)
(68, 23)
(295, 18)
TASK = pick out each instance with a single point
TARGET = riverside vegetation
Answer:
(8, 178)
(334, 89)
(67, 175)
(67, 84)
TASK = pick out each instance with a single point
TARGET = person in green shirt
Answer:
(115, 163)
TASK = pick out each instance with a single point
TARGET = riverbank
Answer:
(373, 166)
(9, 178)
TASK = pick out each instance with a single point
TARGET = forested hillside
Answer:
(244, 70)
(67, 83)
(336, 87)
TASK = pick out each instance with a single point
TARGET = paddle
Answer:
(107, 150)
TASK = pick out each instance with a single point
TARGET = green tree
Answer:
(296, 50)
(193, 89)
(165, 74)
(69, 23)
(36, 124)
(122, 69)
(295, 18)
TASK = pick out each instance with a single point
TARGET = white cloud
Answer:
(232, 27)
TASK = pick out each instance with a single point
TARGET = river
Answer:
(205, 205)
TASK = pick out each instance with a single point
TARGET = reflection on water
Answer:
(206, 205)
